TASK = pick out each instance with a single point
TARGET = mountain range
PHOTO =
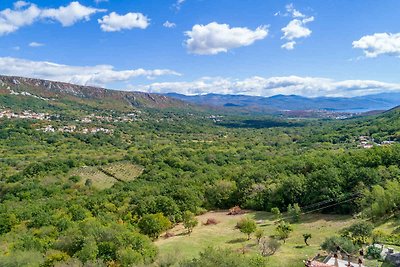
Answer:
(383, 101)
(60, 93)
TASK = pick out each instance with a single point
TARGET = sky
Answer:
(253, 47)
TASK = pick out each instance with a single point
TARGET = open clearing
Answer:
(104, 177)
(224, 235)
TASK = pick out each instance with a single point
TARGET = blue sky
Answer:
(333, 47)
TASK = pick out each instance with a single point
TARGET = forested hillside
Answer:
(96, 186)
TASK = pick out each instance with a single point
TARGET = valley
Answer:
(70, 196)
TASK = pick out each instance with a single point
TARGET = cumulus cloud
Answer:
(379, 44)
(69, 15)
(35, 44)
(115, 22)
(100, 75)
(25, 14)
(215, 38)
(261, 86)
(168, 24)
(296, 28)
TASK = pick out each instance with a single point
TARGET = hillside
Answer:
(58, 93)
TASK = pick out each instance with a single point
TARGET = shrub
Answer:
(331, 243)
(153, 224)
(269, 246)
(283, 230)
(374, 252)
(276, 212)
(358, 232)
(189, 221)
(246, 226)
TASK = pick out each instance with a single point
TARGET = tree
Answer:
(276, 212)
(247, 226)
(189, 221)
(153, 224)
(294, 212)
(283, 230)
(259, 234)
(306, 236)
(220, 193)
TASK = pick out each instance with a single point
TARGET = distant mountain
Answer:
(276, 103)
(58, 93)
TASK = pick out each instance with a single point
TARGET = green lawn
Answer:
(224, 235)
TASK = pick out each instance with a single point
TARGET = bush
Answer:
(283, 230)
(276, 212)
(294, 212)
(358, 232)
(189, 221)
(331, 243)
(269, 246)
(22, 258)
(153, 224)
(247, 226)
(374, 252)
(75, 178)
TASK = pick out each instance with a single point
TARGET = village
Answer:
(367, 142)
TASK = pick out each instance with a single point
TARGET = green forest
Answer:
(102, 199)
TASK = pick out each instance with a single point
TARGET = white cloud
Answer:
(178, 4)
(25, 14)
(293, 12)
(20, 4)
(69, 15)
(85, 75)
(115, 22)
(168, 24)
(35, 44)
(215, 38)
(100, 1)
(296, 28)
(260, 86)
(289, 45)
(16, 48)
(379, 44)
(12, 20)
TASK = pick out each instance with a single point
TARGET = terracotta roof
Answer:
(318, 264)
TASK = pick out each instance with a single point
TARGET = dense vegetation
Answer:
(48, 215)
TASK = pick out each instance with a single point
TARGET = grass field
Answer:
(123, 171)
(105, 176)
(223, 235)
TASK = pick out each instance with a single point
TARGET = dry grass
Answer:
(99, 179)
(124, 171)
(106, 176)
